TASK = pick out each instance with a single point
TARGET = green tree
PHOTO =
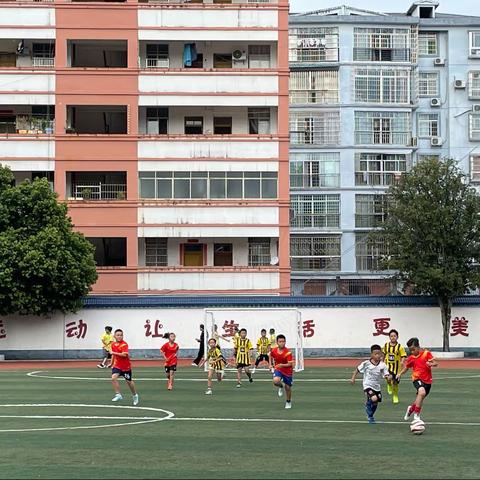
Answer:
(432, 233)
(44, 265)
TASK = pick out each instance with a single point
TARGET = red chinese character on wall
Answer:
(78, 331)
(459, 327)
(381, 326)
(3, 331)
(156, 332)
(229, 328)
(308, 329)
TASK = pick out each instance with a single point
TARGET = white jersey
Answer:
(372, 374)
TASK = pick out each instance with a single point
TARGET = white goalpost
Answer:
(286, 321)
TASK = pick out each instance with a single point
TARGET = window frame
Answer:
(433, 125)
(428, 36)
(427, 83)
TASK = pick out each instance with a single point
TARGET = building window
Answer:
(382, 128)
(193, 254)
(428, 125)
(370, 210)
(313, 44)
(428, 84)
(315, 211)
(316, 253)
(157, 55)
(222, 255)
(382, 85)
(259, 121)
(474, 85)
(110, 251)
(208, 185)
(222, 60)
(259, 56)
(314, 170)
(315, 128)
(427, 43)
(193, 125)
(157, 121)
(156, 252)
(474, 127)
(259, 252)
(222, 125)
(475, 169)
(474, 44)
(381, 45)
(317, 86)
(379, 169)
(369, 252)
(423, 157)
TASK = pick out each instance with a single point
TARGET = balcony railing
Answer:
(28, 126)
(315, 263)
(380, 179)
(314, 181)
(45, 62)
(157, 63)
(99, 191)
(316, 221)
(313, 96)
(381, 54)
(382, 138)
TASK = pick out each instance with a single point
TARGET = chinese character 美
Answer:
(381, 326)
(3, 331)
(459, 327)
(156, 330)
(229, 328)
(74, 330)
(308, 329)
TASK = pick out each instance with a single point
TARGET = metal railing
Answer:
(28, 126)
(99, 191)
(46, 62)
(380, 179)
(315, 263)
(157, 63)
(382, 138)
(312, 181)
(389, 286)
(316, 221)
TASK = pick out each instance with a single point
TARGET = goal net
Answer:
(221, 322)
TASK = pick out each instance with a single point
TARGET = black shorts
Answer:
(171, 368)
(242, 365)
(373, 393)
(263, 357)
(107, 354)
(127, 375)
(394, 377)
(419, 383)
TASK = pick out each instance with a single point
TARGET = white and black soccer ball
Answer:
(417, 427)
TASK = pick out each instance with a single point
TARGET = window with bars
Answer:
(208, 185)
(428, 125)
(369, 252)
(474, 127)
(474, 41)
(427, 43)
(259, 252)
(156, 252)
(475, 168)
(423, 157)
(259, 121)
(313, 44)
(43, 50)
(157, 55)
(428, 84)
(370, 210)
(316, 86)
(316, 253)
(382, 128)
(315, 211)
(474, 85)
(381, 44)
(379, 169)
(313, 170)
(381, 85)
(315, 128)
(259, 56)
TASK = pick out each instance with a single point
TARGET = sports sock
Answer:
(374, 408)
(395, 388)
(417, 409)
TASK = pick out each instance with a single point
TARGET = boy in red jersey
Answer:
(421, 362)
(121, 367)
(282, 367)
(169, 351)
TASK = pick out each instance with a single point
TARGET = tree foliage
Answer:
(44, 265)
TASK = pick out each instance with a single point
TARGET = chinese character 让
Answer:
(156, 332)
(229, 328)
(459, 327)
(381, 326)
(308, 329)
(78, 331)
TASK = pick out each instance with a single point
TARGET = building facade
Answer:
(371, 94)
(164, 126)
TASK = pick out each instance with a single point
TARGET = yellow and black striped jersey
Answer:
(273, 340)
(263, 345)
(393, 356)
(215, 359)
(235, 339)
(244, 345)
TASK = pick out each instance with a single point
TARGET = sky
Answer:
(468, 7)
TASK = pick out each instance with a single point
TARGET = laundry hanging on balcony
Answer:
(189, 54)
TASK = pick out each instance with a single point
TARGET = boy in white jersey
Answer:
(373, 371)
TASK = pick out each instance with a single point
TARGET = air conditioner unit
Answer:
(413, 142)
(239, 56)
(476, 108)
(459, 84)
(475, 52)
(436, 141)
(439, 62)
(435, 102)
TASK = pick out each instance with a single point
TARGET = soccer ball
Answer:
(417, 427)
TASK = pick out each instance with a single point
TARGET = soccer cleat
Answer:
(117, 397)
(280, 392)
(100, 366)
(250, 379)
(288, 405)
(395, 398)
(136, 399)
(209, 391)
(194, 364)
(371, 420)
(407, 413)
(239, 385)
(416, 417)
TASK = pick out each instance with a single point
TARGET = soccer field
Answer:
(61, 423)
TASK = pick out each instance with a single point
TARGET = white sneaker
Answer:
(239, 385)
(117, 397)
(288, 405)
(416, 416)
(280, 392)
(209, 392)
(253, 370)
(136, 400)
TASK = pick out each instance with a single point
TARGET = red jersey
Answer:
(170, 352)
(284, 356)
(420, 369)
(122, 363)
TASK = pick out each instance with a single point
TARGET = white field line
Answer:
(77, 417)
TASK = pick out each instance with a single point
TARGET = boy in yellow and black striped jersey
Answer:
(216, 364)
(263, 349)
(243, 352)
(395, 356)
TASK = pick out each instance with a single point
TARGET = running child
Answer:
(394, 357)
(373, 371)
(122, 367)
(169, 351)
(243, 351)
(282, 368)
(107, 340)
(273, 338)
(216, 364)
(263, 349)
(421, 362)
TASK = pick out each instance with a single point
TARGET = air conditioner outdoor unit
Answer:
(459, 84)
(475, 52)
(435, 102)
(476, 108)
(436, 141)
(239, 56)
(439, 62)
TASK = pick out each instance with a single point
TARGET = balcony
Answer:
(28, 53)
(96, 186)
(377, 179)
(97, 53)
(96, 119)
(21, 176)
(27, 120)
(307, 181)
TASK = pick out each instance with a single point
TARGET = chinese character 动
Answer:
(381, 326)
(3, 331)
(77, 331)
(459, 327)
(308, 329)
(156, 330)
(229, 328)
